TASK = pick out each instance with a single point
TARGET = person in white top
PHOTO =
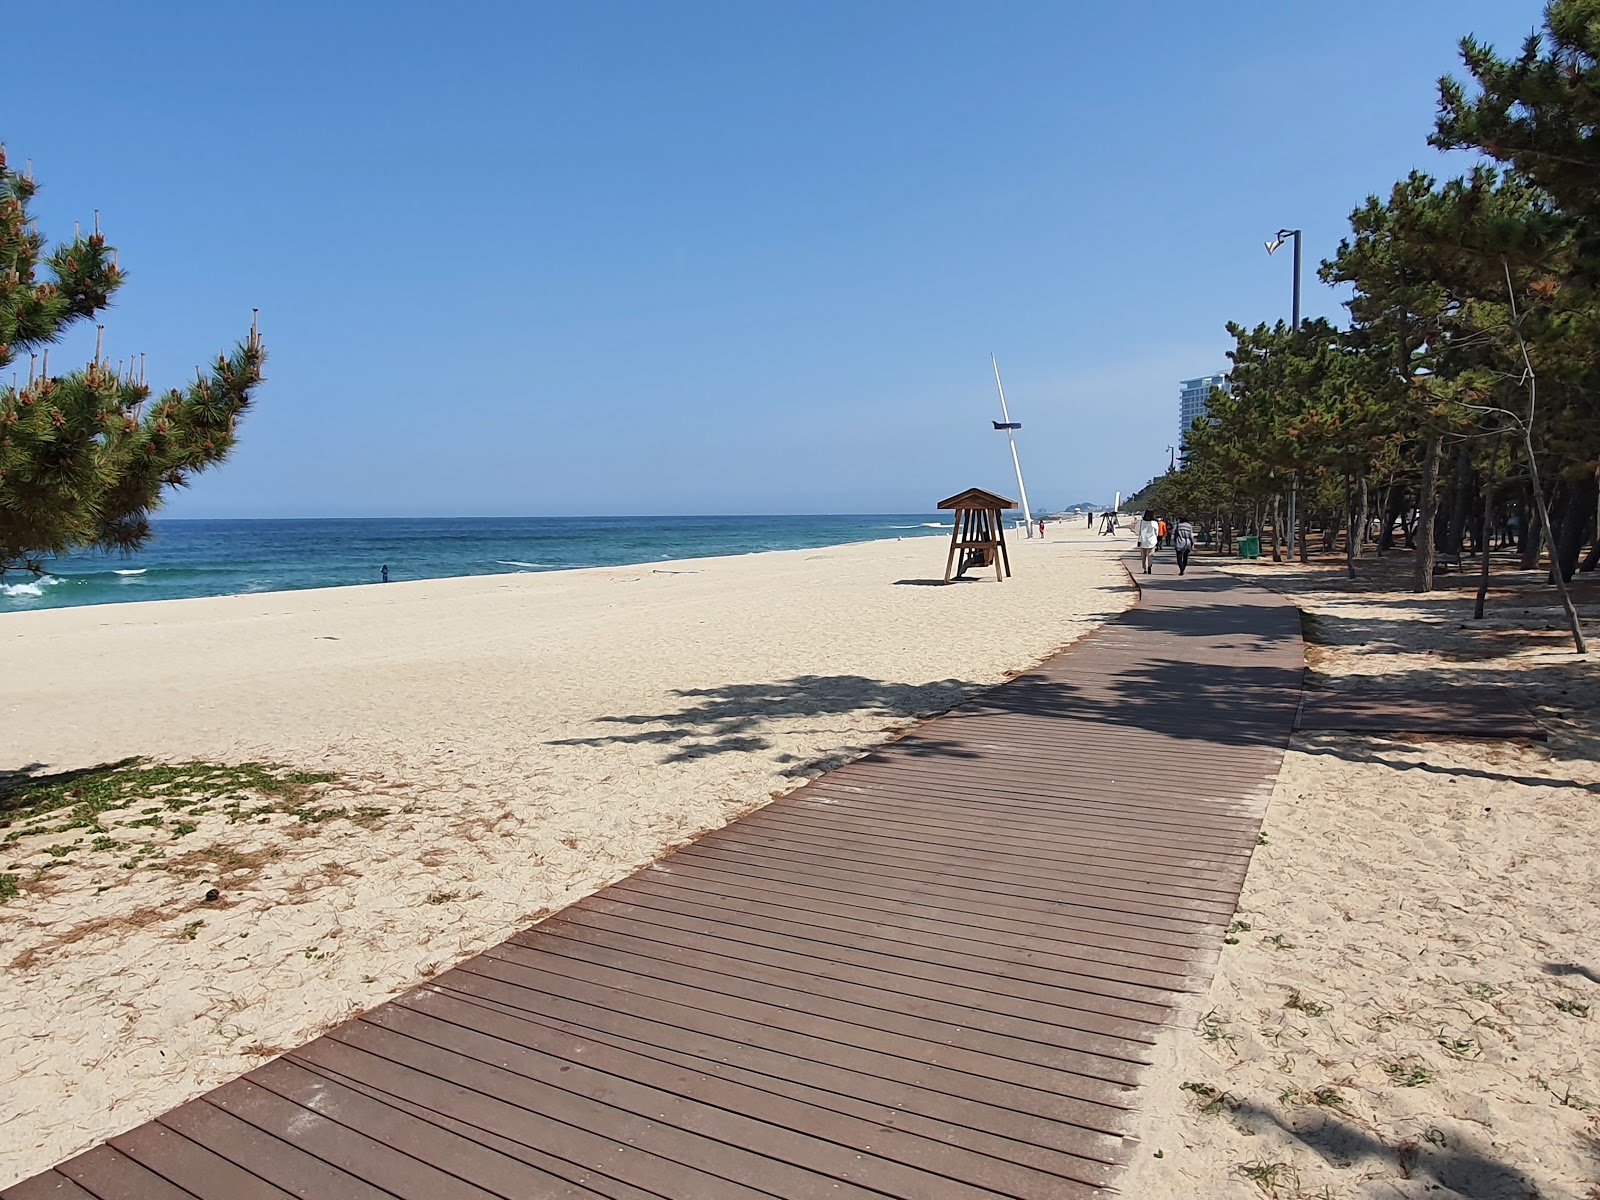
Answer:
(1149, 531)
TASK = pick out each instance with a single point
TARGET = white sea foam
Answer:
(36, 588)
(511, 562)
(140, 571)
(935, 525)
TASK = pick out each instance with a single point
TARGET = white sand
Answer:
(529, 738)
(1439, 899)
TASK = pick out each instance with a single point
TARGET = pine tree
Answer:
(85, 457)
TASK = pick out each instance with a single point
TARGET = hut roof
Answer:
(977, 498)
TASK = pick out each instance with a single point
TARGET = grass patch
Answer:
(1234, 930)
(1208, 1101)
(1311, 1008)
(151, 794)
(8, 887)
(1574, 1008)
(1212, 1029)
(1278, 942)
(78, 798)
(1269, 1176)
(1408, 1073)
(191, 931)
(1482, 991)
(443, 897)
(1326, 1096)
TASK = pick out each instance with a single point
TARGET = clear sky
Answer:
(741, 257)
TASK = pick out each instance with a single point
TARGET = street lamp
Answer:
(1172, 460)
(1272, 246)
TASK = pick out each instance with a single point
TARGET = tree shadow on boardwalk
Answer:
(1240, 704)
(735, 718)
(1451, 1163)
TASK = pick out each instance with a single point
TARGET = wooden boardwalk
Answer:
(934, 973)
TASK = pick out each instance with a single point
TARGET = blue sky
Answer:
(749, 257)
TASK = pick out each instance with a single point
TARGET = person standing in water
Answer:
(386, 572)
(1149, 533)
(1182, 543)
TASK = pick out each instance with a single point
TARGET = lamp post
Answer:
(1011, 427)
(1172, 459)
(1294, 478)
(1272, 247)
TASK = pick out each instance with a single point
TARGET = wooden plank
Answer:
(450, 1152)
(618, 1109)
(270, 1158)
(108, 1174)
(617, 1153)
(52, 1185)
(936, 972)
(191, 1167)
(957, 1120)
(756, 1120)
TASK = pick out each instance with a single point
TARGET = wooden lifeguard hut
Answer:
(979, 535)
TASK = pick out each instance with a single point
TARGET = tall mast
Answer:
(1011, 427)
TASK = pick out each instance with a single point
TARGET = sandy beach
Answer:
(1408, 1004)
(500, 746)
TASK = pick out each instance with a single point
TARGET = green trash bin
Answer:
(1249, 547)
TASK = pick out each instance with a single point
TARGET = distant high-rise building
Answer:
(1193, 394)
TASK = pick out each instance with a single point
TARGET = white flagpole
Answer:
(1027, 516)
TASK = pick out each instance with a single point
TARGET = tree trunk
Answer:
(1577, 506)
(1593, 559)
(1390, 507)
(1360, 530)
(1428, 505)
(1458, 502)
(1532, 544)
(1567, 606)
(1277, 527)
(1350, 529)
(1488, 518)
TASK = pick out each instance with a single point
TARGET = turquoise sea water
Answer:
(224, 558)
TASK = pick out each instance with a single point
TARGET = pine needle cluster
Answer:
(86, 457)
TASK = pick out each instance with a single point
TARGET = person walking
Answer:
(1148, 532)
(1182, 543)
(1041, 527)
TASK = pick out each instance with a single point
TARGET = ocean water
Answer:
(225, 558)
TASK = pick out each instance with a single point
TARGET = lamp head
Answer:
(1275, 243)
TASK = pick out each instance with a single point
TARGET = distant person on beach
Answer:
(1041, 526)
(1091, 520)
(1161, 533)
(386, 572)
(1182, 543)
(1149, 532)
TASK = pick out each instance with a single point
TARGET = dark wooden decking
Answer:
(934, 973)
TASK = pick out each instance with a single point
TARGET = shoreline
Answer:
(502, 745)
(86, 569)
(644, 564)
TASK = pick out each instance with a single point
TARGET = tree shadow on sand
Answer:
(1366, 748)
(734, 718)
(1450, 1162)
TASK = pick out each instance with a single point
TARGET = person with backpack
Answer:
(1182, 543)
